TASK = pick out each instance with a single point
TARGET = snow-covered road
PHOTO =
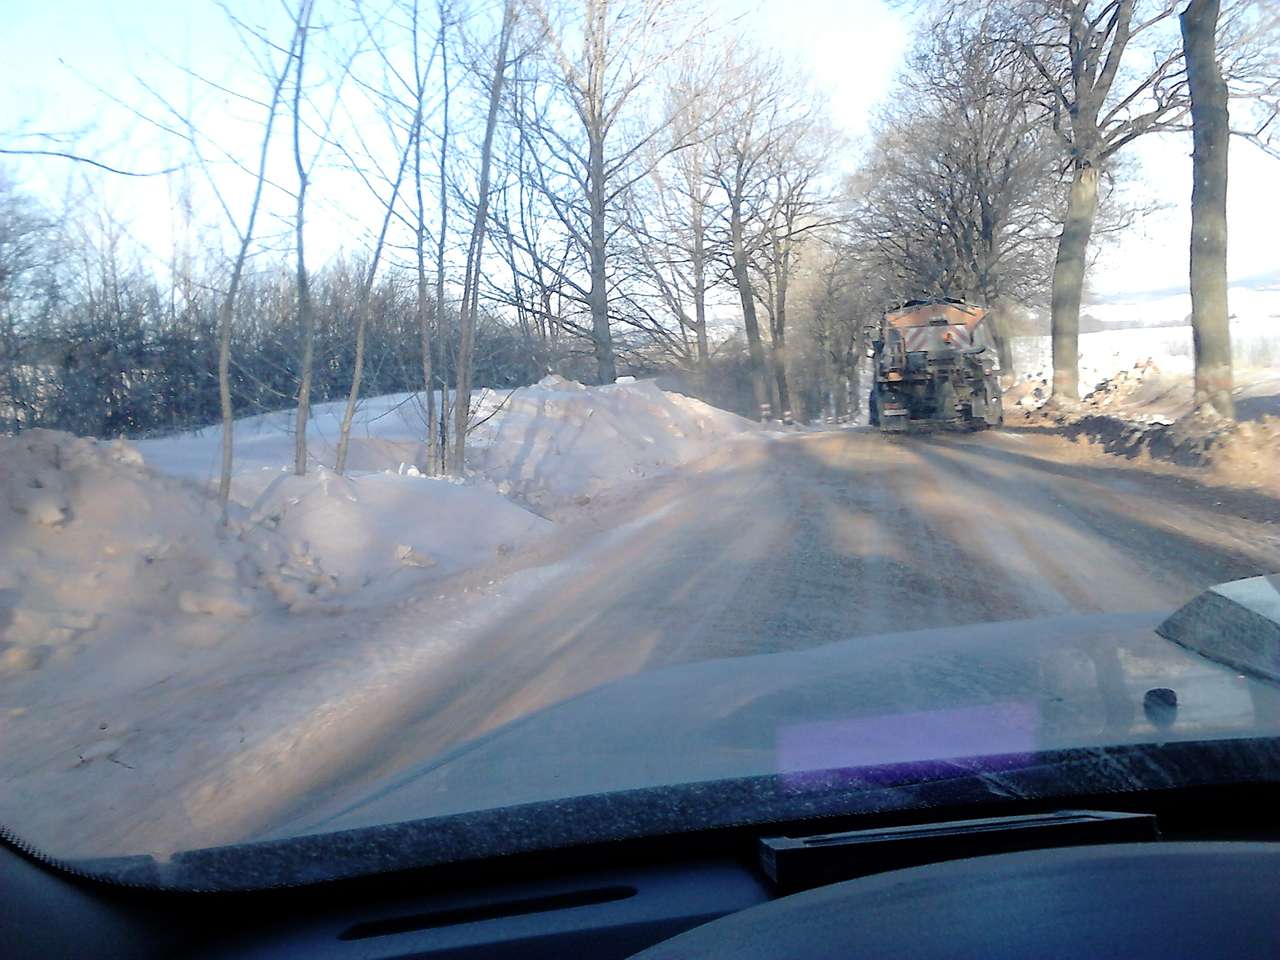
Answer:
(811, 539)
(769, 543)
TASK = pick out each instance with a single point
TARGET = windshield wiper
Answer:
(799, 863)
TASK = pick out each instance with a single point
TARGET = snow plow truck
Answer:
(935, 366)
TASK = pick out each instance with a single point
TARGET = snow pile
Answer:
(559, 441)
(364, 529)
(1144, 391)
(551, 444)
(1030, 392)
(99, 541)
(382, 517)
(1149, 411)
(96, 543)
(547, 444)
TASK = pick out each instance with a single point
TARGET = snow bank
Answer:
(103, 538)
(1149, 411)
(386, 432)
(381, 517)
(168, 682)
(559, 441)
(365, 529)
(547, 444)
(96, 543)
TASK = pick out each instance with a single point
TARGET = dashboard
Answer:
(1045, 885)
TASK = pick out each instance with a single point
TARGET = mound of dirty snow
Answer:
(1152, 391)
(97, 543)
(364, 529)
(1149, 411)
(1143, 389)
(559, 441)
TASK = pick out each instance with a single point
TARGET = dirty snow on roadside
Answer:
(165, 677)
(1138, 400)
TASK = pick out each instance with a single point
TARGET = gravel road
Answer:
(818, 537)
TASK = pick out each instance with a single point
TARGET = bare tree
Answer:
(960, 195)
(365, 300)
(1211, 135)
(410, 93)
(671, 213)
(749, 135)
(796, 207)
(475, 249)
(1239, 43)
(244, 242)
(436, 442)
(1086, 55)
(603, 54)
(306, 319)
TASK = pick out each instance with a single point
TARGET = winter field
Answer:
(1255, 337)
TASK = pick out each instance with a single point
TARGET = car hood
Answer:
(905, 701)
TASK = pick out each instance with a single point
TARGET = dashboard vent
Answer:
(492, 910)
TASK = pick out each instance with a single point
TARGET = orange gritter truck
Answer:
(935, 366)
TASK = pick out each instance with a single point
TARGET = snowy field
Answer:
(1255, 345)
(147, 654)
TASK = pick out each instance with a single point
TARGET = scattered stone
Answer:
(213, 603)
(410, 557)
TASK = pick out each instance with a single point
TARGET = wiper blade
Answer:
(799, 863)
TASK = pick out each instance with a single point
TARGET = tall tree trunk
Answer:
(422, 314)
(601, 337)
(1068, 282)
(226, 312)
(475, 251)
(353, 395)
(1210, 134)
(362, 322)
(306, 318)
(746, 294)
(780, 373)
(436, 441)
(225, 315)
(699, 266)
(782, 259)
(997, 322)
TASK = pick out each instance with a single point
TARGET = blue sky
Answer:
(57, 51)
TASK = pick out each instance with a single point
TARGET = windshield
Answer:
(414, 411)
